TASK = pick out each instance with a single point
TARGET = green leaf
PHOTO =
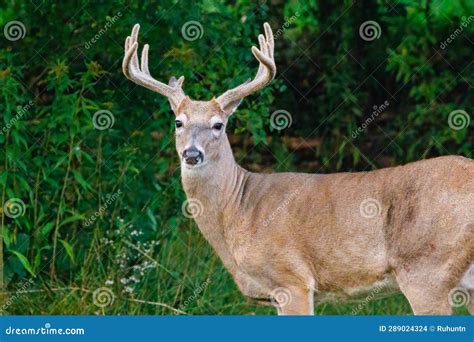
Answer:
(24, 261)
(69, 250)
(73, 218)
(78, 177)
(44, 231)
(3, 178)
(152, 218)
(6, 236)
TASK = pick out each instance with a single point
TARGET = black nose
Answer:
(192, 156)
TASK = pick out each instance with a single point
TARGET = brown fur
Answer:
(318, 239)
(285, 236)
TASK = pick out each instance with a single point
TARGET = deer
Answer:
(289, 238)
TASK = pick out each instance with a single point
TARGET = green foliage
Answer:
(126, 177)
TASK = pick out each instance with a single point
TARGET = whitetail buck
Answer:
(286, 237)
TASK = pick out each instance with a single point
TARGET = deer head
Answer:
(200, 125)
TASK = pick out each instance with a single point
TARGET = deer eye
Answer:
(178, 123)
(218, 126)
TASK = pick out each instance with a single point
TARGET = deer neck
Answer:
(215, 186)
(216, 190)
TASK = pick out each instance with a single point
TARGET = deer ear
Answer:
(230, 108)
(175, 83)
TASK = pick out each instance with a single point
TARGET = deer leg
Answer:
(426, 298)
(294, 301)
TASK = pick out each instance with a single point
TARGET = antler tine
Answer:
(263, 48)
(144, 65)
(269, 35)
(266, 70)
(141, 74)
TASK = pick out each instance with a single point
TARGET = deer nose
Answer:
(192, 156)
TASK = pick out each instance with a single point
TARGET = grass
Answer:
(188, 278)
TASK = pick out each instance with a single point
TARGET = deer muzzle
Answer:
(192, 156)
